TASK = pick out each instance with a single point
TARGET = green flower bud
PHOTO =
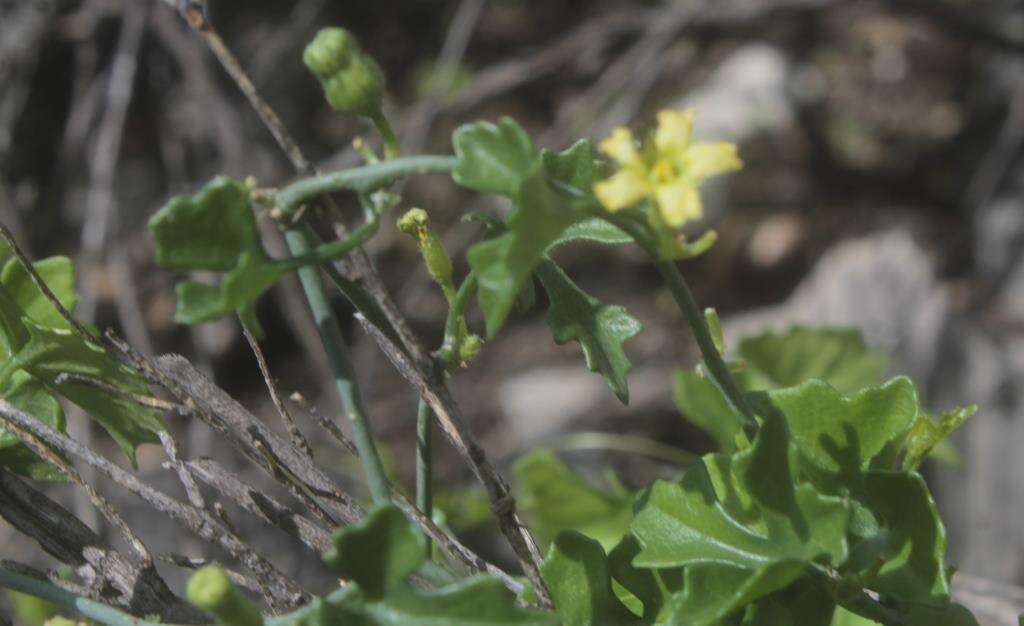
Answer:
(413, 222)
(439, 264)
(470, 347)
(210, 589)
(351, 79)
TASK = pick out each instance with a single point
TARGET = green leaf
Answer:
(740, 527)
(59, 275)
(198, 302)
(594, 230)
(575, 168)
(927, 433)
(503, 264)
(477, 601)
(713, 591)
(600, 329)
(651, 588)
(12, 331)
(51, 352)
(213, 230)
(29, 395)
(776, 360)
(743, 510)
(847, 445)
(556, 499)
(948, 615)
(493, 158)
(841, 437)
(379, 553)
(906, 512)
(208, 231)
(843, 617)
(835, 355)
(804, 603)
(577, 574)
(377, 556)
(704, 405)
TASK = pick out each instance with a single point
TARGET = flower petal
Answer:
(623, 189)
(621, 147)
(707, 159)
(679, 202)
(674, 130)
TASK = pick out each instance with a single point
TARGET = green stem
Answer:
(387, 134)
(720, 374)
(698, 324)
(449, 351)
(360, 179)
(299, 242)
(424, 463)
(327, 252)
(52, 593)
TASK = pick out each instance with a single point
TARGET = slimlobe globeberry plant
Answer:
(811, 513)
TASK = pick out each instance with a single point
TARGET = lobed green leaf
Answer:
(213, 230)
(555, 498)
(576, 572)
(835, 355)
(600, 329)
(493, 158)
(379, 553)
(376, 556)
(53, 352)
(504, 263)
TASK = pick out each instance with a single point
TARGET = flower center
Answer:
(663, 172)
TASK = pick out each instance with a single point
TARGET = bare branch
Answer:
(298, 440)
(284, 592)
(108, 576)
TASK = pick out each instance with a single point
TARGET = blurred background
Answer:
(883, 189)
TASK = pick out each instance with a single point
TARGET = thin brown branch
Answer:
(261, 505)
(43, 287)
(195, 498)
(298, 440)
(326, 423)
(189, 562)
(137, 398)
(230, 418)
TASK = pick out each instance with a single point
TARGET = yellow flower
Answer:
(667, 171)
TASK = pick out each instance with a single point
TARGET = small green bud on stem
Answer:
(351, 79)
(210, 589)
(439, 264)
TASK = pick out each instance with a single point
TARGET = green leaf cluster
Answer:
(45, 359)
(775, 360)
(548, 192)
(816, 505)
(214, 230)
(376, 557)
(815, 508)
